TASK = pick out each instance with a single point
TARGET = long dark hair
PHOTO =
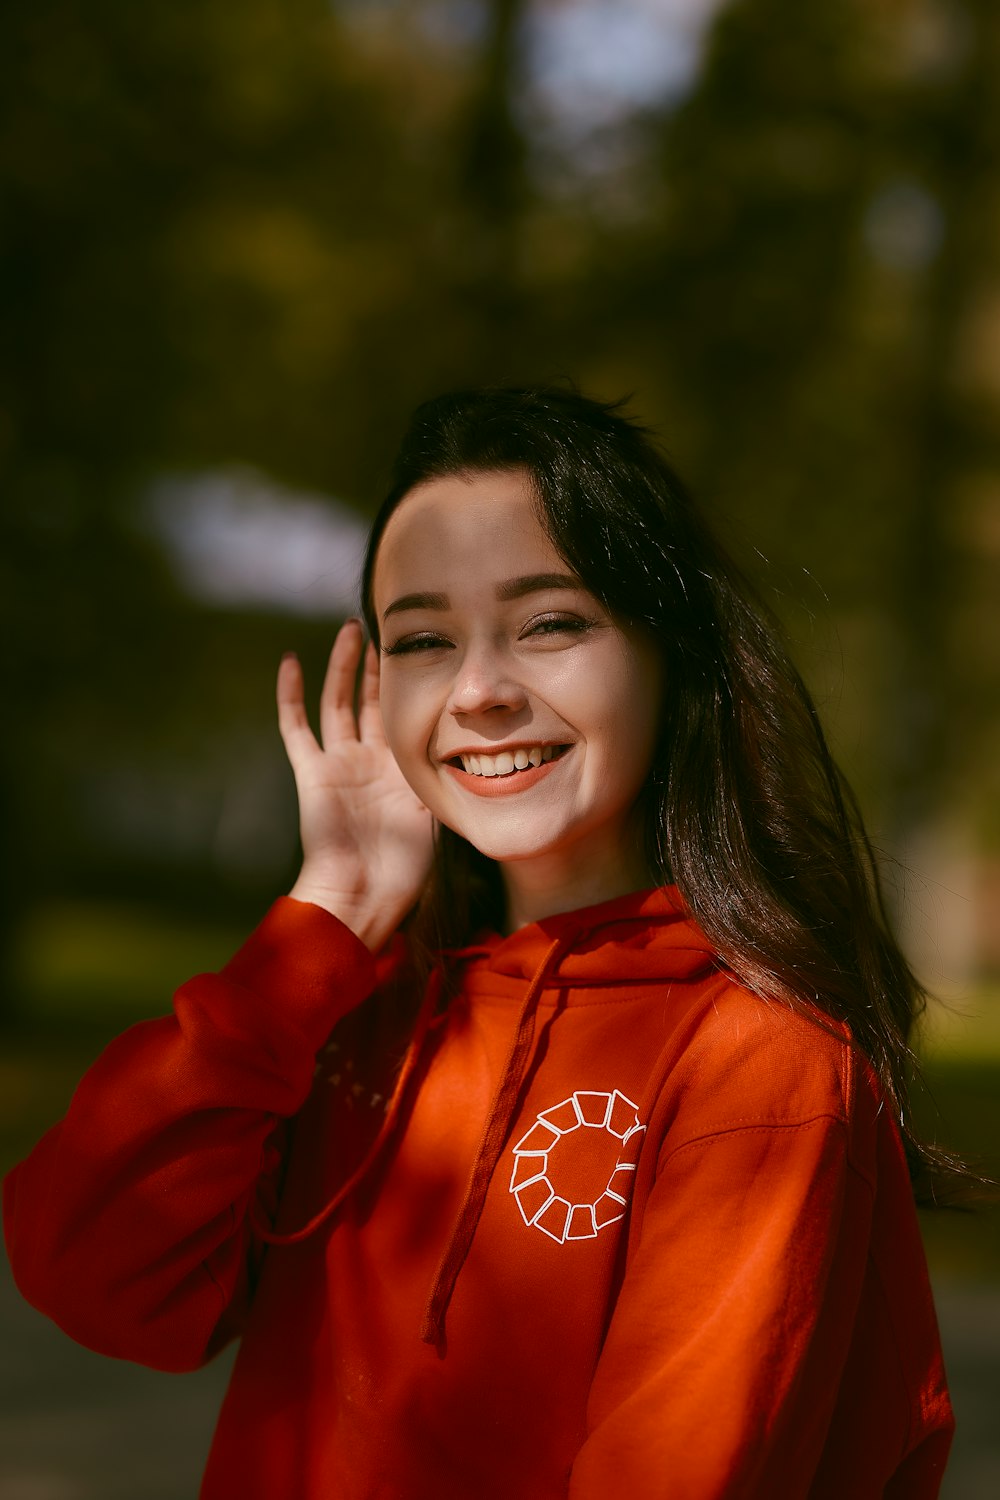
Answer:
(744, 808)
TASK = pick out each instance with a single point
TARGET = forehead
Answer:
(463, 530)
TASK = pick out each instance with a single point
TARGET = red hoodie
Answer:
(626, 1228)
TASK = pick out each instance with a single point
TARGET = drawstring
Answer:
(427, 1008)
(499, 1118)
(494, 1139)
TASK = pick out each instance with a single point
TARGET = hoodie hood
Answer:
(643, 936)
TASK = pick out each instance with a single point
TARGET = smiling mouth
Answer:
(508, 763)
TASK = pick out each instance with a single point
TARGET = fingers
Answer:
(336, 704)
(336, 707)
(293, 722)
(369, 711)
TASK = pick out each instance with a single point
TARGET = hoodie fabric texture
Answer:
(612, 1225)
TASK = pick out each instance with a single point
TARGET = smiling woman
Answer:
(485, 663)
(552, 1139)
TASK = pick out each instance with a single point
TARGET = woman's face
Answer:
(519, 711)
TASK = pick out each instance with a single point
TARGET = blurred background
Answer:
(240, 240)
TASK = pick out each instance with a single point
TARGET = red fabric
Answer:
(697, 1271)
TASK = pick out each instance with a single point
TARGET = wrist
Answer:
(366, 921)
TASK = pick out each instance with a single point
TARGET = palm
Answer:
(366, 838)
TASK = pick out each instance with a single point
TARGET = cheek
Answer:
(393, 718)
(405, 724)
(634, 718)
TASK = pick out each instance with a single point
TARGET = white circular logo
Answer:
(548, 1142)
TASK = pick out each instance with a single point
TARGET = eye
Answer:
(554, 624)
(415, 645)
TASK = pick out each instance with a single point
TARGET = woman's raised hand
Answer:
(366, 838)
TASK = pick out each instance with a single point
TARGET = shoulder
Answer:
(752, 1063)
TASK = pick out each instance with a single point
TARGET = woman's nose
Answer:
(484, 682)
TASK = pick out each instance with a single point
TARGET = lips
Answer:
(499, 782)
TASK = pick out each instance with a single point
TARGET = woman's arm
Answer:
(750, 1242)
(775, 1318)
(130, 1224)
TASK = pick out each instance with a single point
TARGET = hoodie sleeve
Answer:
(130, 1222)
(755, 1303)
(725, 1350)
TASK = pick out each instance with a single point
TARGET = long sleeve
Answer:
(724, 1321)
(757, 1341)
(130, 1222)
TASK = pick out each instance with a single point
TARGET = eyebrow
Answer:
(511, 588)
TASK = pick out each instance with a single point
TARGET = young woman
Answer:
(551, 1139)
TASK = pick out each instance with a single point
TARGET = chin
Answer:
(504, 851)
(514, 846)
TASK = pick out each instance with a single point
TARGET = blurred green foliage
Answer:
(257, 231)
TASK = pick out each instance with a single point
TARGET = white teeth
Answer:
(506, 762)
